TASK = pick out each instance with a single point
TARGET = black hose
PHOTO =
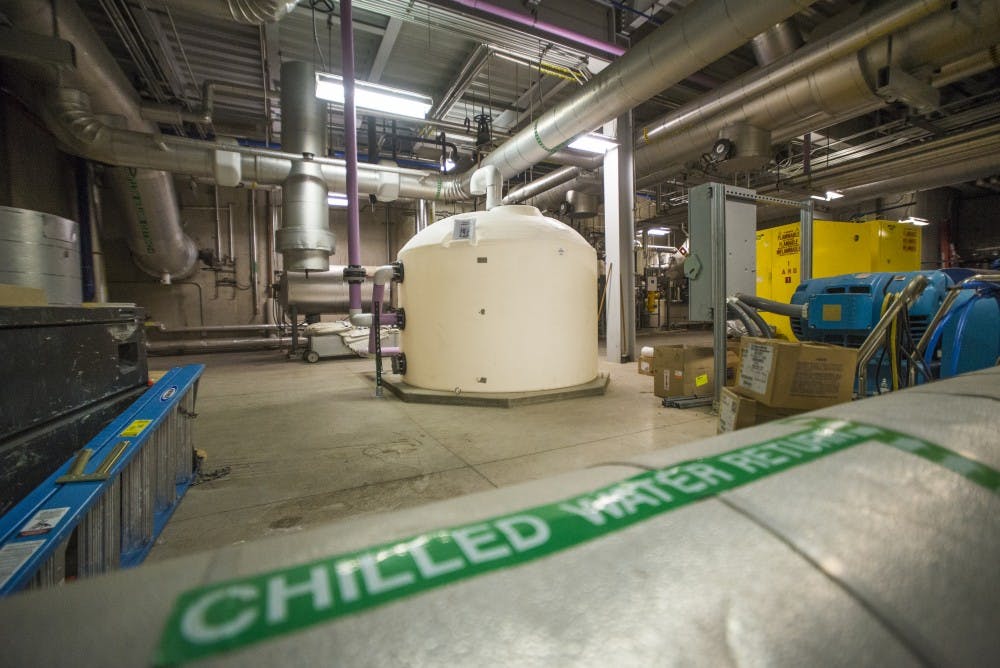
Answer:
(771, 306)
(734, 310)
(761, 323)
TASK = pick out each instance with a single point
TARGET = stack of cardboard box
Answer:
(686, 371)
(781, 378)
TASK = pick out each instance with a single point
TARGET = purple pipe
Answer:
(378, 292)
(569, 37)
(351, 150)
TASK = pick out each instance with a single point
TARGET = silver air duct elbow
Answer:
(248, 12)
(305, 239)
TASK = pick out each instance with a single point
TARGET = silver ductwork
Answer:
(147, 200)
(250, 12)
(776, 42)
(304, 240)
(825, 82)
(542, 183)
(697, 36)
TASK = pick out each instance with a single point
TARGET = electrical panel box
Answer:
(739, 243)
(838, 248)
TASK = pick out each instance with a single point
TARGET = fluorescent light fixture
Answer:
(593, 143)
(374, 97)
(657, 232)
(914, 220)
(336, 199)
(672, 249)
(830, 196)
(449, 164)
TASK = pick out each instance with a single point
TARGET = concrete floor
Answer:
(309, 443)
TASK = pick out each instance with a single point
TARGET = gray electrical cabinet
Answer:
(733, 213)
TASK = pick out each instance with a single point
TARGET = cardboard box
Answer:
(691, 370)
(737, 411)
(802, 376)
(646, 365)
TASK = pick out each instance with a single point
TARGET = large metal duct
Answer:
(872, 555)
(304, 240)
(551, 199)
(820, 85)
(251, 12)
(146, 199)
(776, 42)
(696, 36)
(542, 183)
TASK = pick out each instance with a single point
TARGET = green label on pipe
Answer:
(236, 613)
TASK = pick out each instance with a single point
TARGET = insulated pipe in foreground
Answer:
(771, 306)
(863, 534)
(487, 181)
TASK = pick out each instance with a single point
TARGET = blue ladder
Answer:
(111, 501)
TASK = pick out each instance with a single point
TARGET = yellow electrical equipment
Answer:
(838, 248)
(652, 297)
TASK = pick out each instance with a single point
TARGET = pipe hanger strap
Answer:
(233, 614)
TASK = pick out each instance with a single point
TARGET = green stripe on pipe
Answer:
(236, 613)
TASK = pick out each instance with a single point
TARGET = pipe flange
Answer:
(355, 274)
(401, 318)
(399, 364)
(397, 272)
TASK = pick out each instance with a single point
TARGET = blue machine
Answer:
(843, 310)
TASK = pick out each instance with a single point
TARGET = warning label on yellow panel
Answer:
(701, 380)
(136, 427)
(788, 242)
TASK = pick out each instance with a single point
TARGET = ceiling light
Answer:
(449, 164)
(830, 196)
(336, 199)
(658, 232)
(374, 97)
(914, 220)
(593, 143)
(672, 249)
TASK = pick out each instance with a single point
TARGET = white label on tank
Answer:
(465, 229)
(13, 556)
(756, 368)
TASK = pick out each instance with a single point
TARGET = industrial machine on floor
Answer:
(103, 509)
(910, 328)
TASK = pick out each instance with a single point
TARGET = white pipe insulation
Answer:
(868, 538)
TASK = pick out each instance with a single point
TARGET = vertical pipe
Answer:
(269, 250)
(229, 224)
(218, 226)
(254, 294)
(718, 241)
(96, 214)
(351, 150)
(806, 241)
(83, 212)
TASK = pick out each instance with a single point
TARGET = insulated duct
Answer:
(824, 82)
(250, 12)
(698, 35)
(146, 198)
(776, 42)
(304, 240)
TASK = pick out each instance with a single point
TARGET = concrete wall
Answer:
(208, 297)
(34, 173)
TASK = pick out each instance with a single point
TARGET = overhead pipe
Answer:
(565, 36)
(147, 199)
(776, 42)
(247, 12)
(487, 181)
(353, 275)
(696, 36)
(541, 184)
(834, 90)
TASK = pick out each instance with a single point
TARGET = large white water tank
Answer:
(499, 301)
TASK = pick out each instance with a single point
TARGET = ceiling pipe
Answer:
(776, 42)
(541, 184)
(695, 37)
(559, 34)
(838, 90)
(247, 12)
(147, 200)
